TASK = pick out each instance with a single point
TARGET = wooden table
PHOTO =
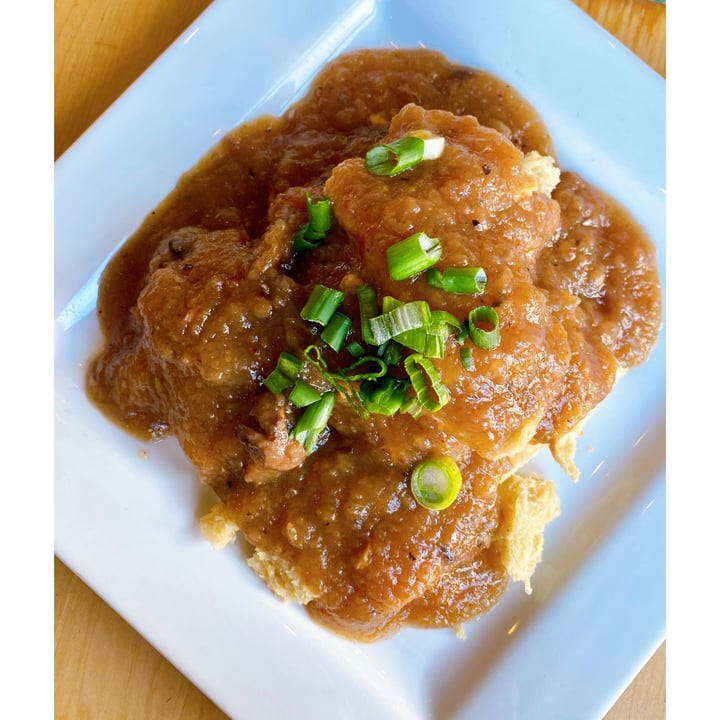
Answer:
(103, 668)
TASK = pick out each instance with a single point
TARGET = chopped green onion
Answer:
(415, 339)
(443, 317)
(303, 394)
(406, 316)
(390, 303)
(466, 359)
(314, 421)
(336, 331)
(431, 339)
(313, 232)
(435, 344)
(289, 364)
(305, 239)
(313, 354)
(348, 373)
(421, 370)
(395, 157)
(434, 278)
(464, 280)
(412, 407)
(276, 382)
(485, 339)
(321, 305)
(367, 300)
(390, 352)
(320, 214)
(463, 334)
(458, 280)
(412, 255)
(384, 396)
(356, 349)
(434, 144)
(286, 371)
(400, 155)
(436, 483)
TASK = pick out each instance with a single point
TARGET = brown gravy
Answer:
(201, 300)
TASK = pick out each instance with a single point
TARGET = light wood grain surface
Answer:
(103, 668)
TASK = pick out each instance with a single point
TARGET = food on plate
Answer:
(361, 319)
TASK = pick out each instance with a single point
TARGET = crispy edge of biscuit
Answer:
(281, 577)
(218, 526)
(527, 504)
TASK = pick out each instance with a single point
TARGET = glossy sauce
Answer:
(199, 303)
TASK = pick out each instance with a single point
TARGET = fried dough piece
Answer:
(527, 504)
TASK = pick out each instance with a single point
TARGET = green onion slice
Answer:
(356, 349)
(435, 344)
(384, 396)
(303, 394)
(407, 152)
(469, 280)
(416, 340)
(425, 379)
(436, 483)
(313, 232)
(434, 278)
(431, 339)
(319, 213)
(412, 407)
(349, 374)
(434, 145)
(336, 331)
(484, 339)
(287, 369)
(367, 301)
(462, 336)
(305, 239)
(412, 255)
(314, 421)
(466, 359)
(395, 157)
(390, 352)
(289, 364)
(443, 317)
(276, 382)
(322, 304)
(341, 384)
(404, 317)
(313, 354)
(389, 303)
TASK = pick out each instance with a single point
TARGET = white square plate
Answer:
(125, 514)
